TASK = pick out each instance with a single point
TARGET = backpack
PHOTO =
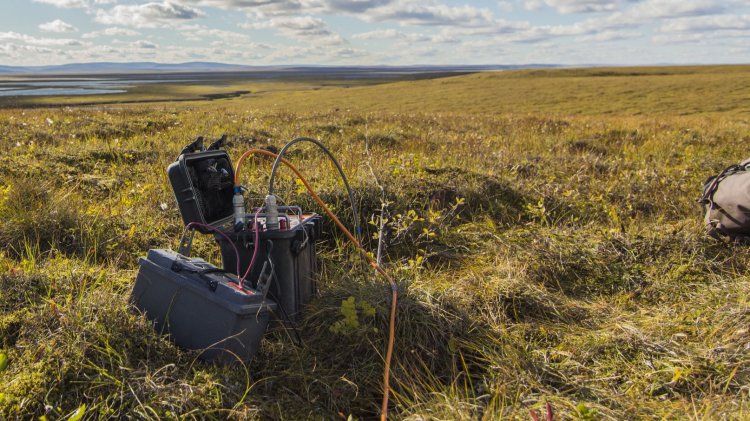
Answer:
(726, 203)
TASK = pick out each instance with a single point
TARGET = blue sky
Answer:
(393, 32)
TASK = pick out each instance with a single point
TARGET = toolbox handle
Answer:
(178, 266)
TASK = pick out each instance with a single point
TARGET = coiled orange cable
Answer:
(370, 259)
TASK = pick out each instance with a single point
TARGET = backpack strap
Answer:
(713, 183)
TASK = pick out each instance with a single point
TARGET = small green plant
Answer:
(538, 212)
(420, 231)
(585, 413)
(353, 312)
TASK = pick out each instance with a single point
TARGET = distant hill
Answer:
(199, 66)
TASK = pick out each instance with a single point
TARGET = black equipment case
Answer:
(203, 184)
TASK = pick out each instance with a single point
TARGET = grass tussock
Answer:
(541, 257)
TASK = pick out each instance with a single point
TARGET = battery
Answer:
(201, 307)
(290, 254)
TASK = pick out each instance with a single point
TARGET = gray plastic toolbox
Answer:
(198, 305)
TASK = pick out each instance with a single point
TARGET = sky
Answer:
(376, 32)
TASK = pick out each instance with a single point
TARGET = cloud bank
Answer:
(386, 31)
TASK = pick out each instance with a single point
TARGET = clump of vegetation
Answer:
(543, 255)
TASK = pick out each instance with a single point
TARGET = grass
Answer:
(648, 91)
(548, 248)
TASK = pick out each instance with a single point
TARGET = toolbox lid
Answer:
(207, 280)
(203, 185)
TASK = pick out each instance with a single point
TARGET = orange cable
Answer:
(370, 259)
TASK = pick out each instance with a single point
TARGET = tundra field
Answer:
(542, 226)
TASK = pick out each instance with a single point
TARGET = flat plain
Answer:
(542, 226)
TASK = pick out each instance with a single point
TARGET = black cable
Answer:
(277, 162)
(265, 288)
(287, 321)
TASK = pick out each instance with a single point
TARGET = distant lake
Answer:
(68, 86)
(100, 84)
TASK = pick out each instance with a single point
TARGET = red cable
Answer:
(255, 249)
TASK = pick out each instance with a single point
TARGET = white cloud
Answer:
(581, 6)
(302, 28)
(65, 3)
(609, 28)
(265, 7)
(380, 34)
(505, 6)
(707, 23)
(57, 26)
(70, 4)
(111, 32)
(392, 34)
(651, 9)
(694, 39)
(429, 13)
(498, 27)
(201, 33)
(317, 54)
(714, 39)
(533, 5)
(144, 44)
(605, 36)
(405, 12)
(281, 7)
(647, 12)
(409, 31)
(646, 9)
(355, 6)
(148, 15)
(18, 51)
(347, 53)
(44, 42)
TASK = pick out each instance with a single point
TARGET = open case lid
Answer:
(203, 184)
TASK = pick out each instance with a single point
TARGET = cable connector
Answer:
(238, 203)
(272, 213)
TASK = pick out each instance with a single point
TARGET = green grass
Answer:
(542, 227)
